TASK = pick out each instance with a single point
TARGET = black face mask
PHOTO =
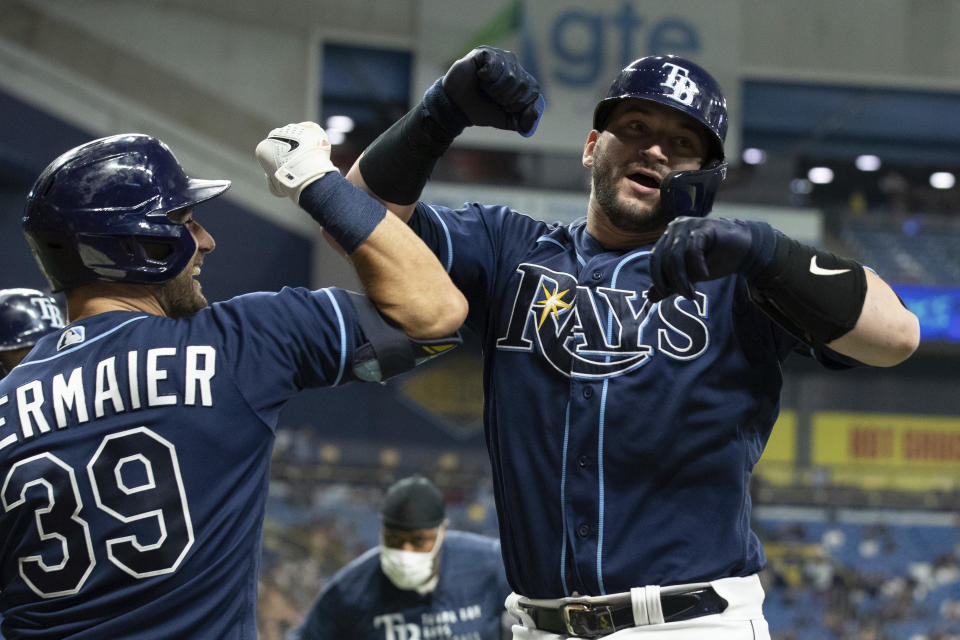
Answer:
(691, 193)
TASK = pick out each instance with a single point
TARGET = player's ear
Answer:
(588, 148)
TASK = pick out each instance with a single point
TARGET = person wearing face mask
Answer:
(423, 580)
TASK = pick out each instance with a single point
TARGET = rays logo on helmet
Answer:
(70, 337)
(49, 311)
(678, 81)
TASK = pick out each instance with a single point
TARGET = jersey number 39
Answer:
(160, 496)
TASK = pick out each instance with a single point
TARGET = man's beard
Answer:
(178, 297)
(626, 216)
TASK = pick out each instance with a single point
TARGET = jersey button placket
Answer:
(580, 490)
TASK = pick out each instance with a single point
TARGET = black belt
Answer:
(589, 620)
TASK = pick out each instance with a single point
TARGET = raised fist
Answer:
(294, 156)
(696, 249)
(490, 88)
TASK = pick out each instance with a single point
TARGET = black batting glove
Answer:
(697, 249)
(487, 87)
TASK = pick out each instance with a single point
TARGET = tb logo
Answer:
(396, 628)
(49, 311)
(684, 90)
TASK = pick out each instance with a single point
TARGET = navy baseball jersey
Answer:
(360, 603)
(134, 455)
(622, 433)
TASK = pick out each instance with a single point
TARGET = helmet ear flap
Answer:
(691, 193)
(145, 259)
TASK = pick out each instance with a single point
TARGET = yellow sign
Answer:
(888, 450)
(778, 463)
(873, 438)
(782, 446)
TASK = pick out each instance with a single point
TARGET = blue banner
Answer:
(938, 309)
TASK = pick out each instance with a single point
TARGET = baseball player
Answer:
(632, 360)
(26, 315)
(423, 581)
(135, 442)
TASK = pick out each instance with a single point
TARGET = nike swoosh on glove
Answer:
(294, 156)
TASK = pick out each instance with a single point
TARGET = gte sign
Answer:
(580, 43)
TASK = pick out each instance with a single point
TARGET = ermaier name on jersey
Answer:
(92, 390)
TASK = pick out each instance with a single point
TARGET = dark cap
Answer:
(413, 503)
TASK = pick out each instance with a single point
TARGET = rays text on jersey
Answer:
(113, 385)
(597, 332)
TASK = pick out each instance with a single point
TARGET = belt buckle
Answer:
(586, 621)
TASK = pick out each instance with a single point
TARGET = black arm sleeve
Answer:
(813, 294)
(397, 165)
(388, 350)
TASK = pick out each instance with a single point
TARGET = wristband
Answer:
(347, 213)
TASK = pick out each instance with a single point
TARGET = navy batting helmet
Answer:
(687, 87)
(675, 82)
(26, 315)
(99, 212)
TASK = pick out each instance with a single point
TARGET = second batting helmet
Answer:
(675, 82)
(99, 212)
(26, 315)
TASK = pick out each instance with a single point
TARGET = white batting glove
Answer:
(294, 156)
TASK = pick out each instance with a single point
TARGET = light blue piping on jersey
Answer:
(563, 468)
(343, 337)
(563, 502)
(600, 487)
(580, 259)
(83, 344)
(446, 235)
(601, 427)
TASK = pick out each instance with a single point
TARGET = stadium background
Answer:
(857, 495)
